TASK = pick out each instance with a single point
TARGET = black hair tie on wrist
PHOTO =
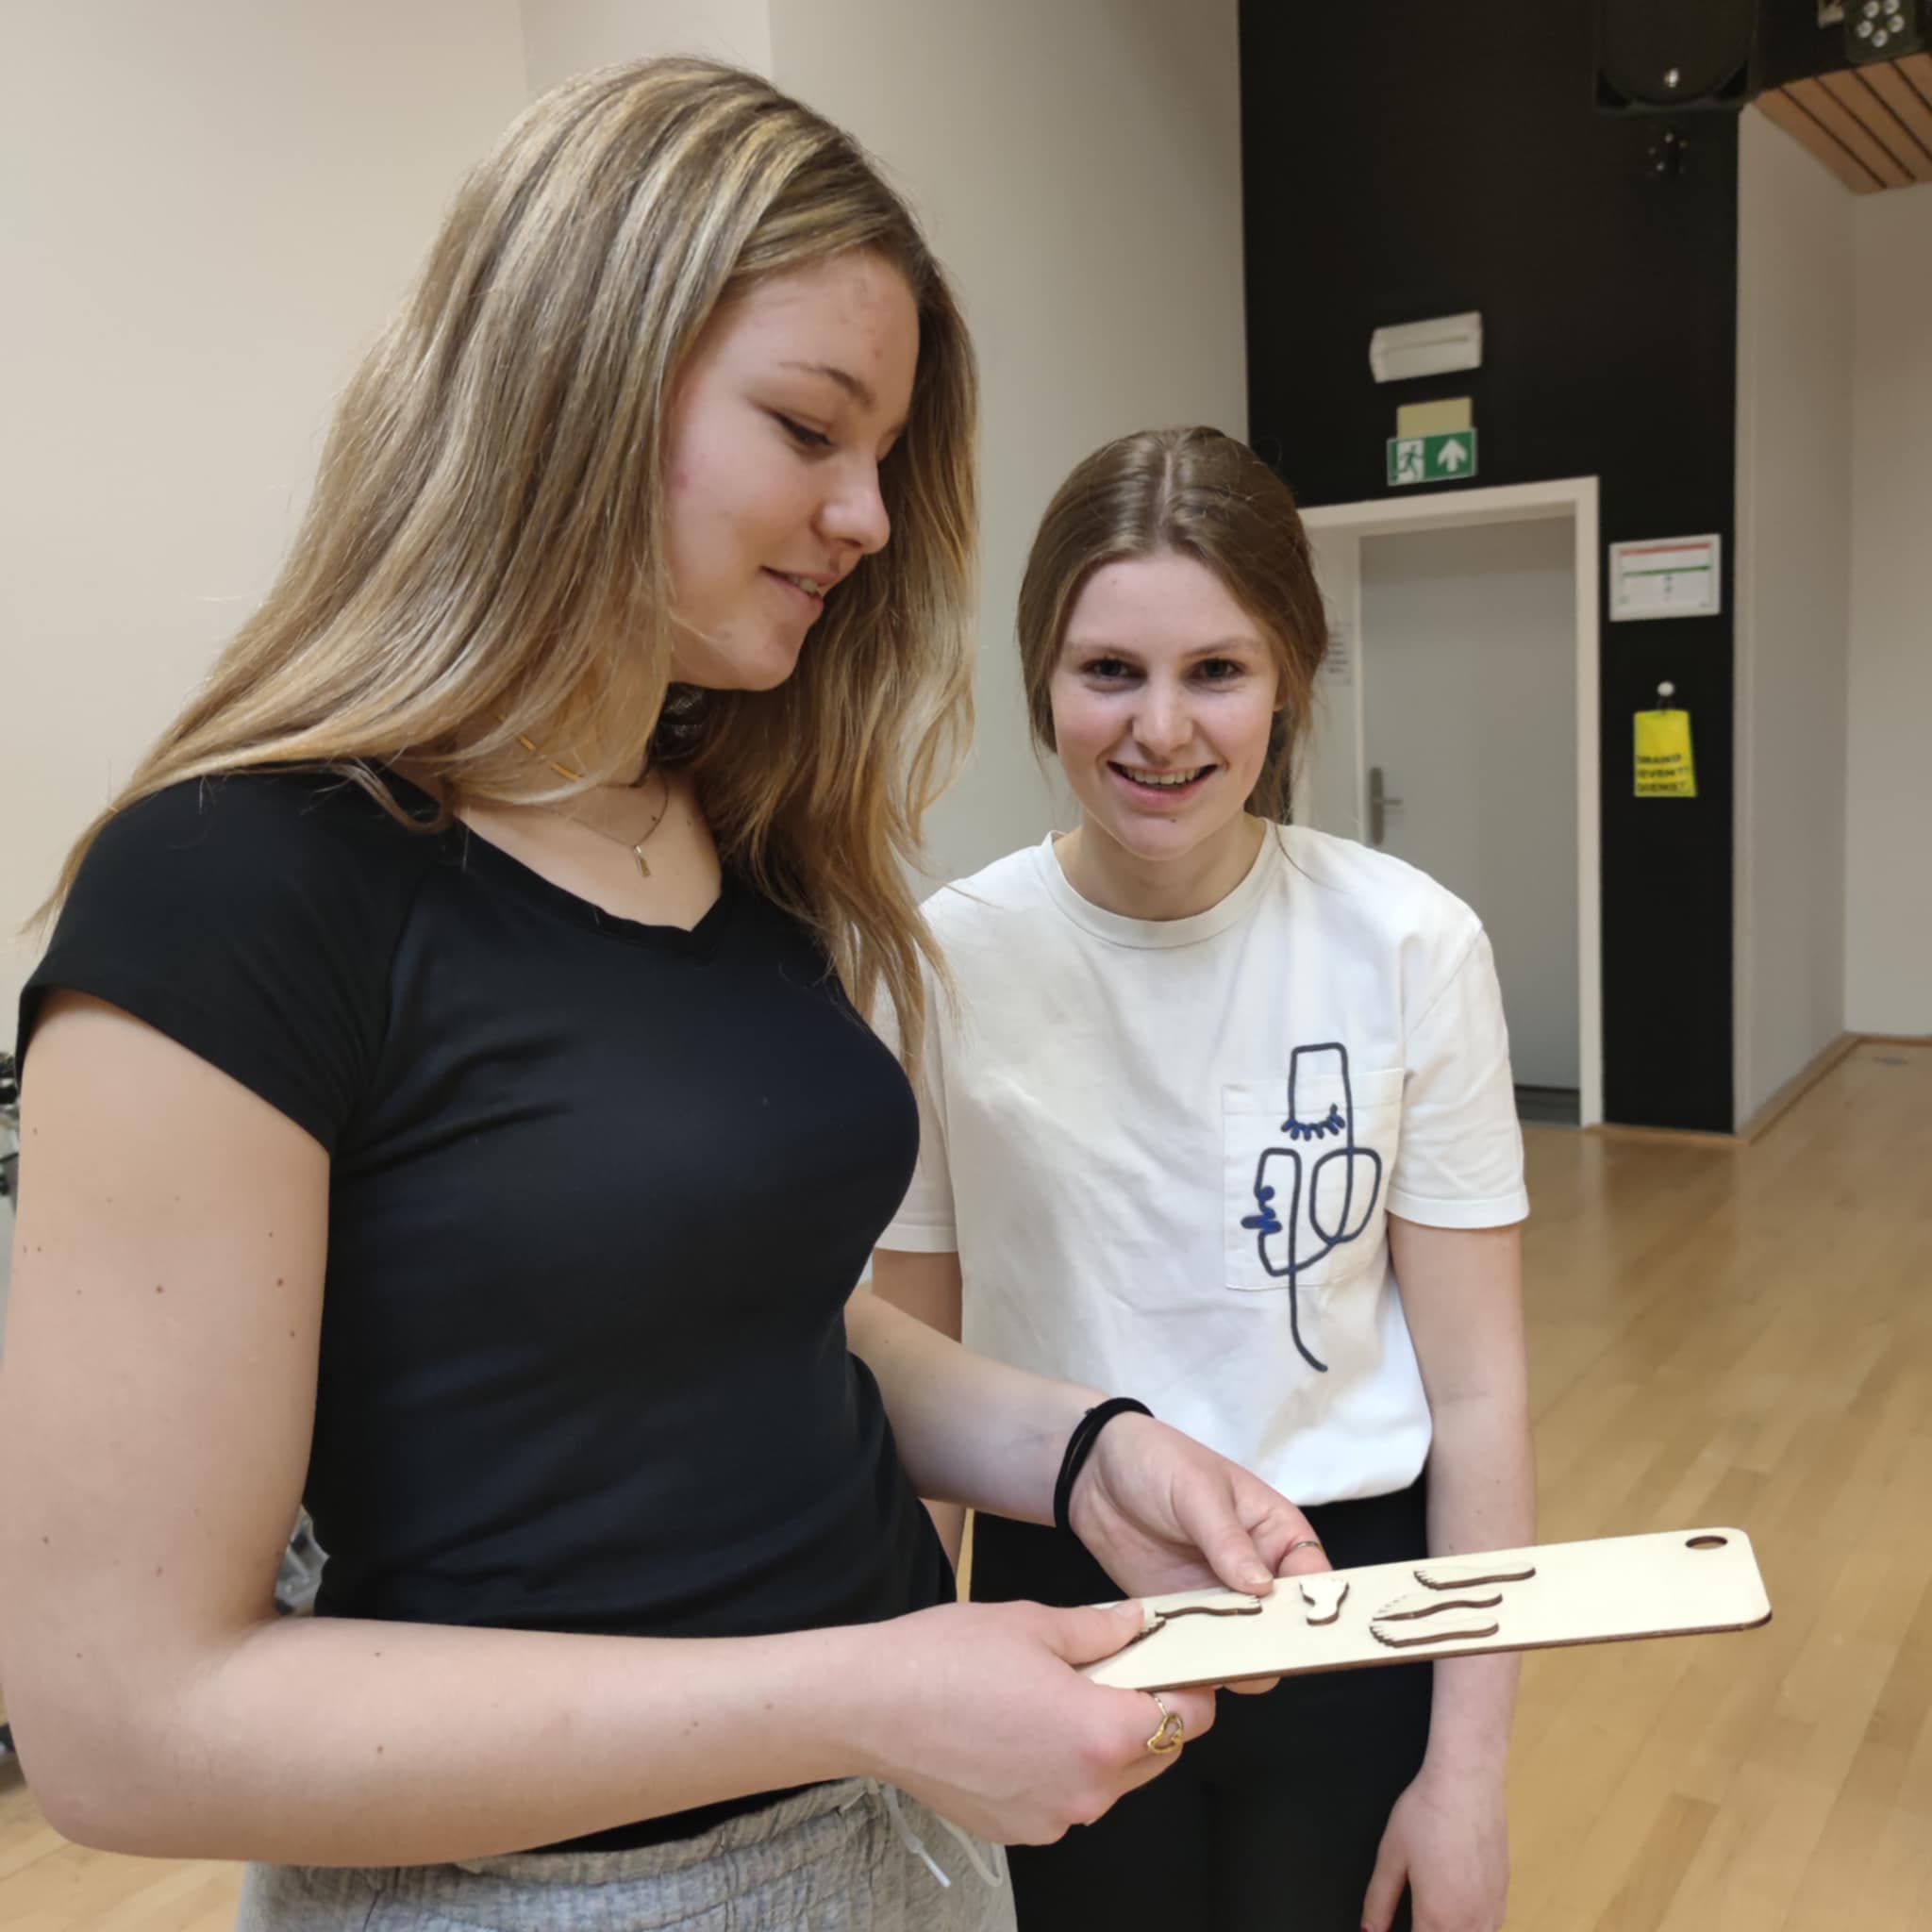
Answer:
(1080, 1445)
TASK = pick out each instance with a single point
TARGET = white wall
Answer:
(1889, 811)
(1792, 578)
(566, 37)
(1078, 166)
(209, 209)
(1328, 777)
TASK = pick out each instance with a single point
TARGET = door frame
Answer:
(1337, 529)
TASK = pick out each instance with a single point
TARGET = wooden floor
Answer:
(1741, 1336)
(1719, 1335)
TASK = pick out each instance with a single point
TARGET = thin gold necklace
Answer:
(634, 846)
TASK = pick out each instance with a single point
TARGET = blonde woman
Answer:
(444, 1101)
(1222, 1120)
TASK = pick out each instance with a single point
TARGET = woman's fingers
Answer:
(1178, 1719)
(1086, 1633)
(1301, 1552)
(1195, 1709)
(1172, 1717)
(998, 1730)
(1248, 1533)
(1252, 1687)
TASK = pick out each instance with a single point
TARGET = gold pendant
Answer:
(637, 852)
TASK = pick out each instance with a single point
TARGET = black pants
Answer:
(1273, 1821)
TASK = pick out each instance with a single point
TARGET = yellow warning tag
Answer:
(1664, 766)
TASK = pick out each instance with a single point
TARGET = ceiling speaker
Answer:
(1653, 55)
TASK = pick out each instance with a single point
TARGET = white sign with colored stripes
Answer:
(1667, 576)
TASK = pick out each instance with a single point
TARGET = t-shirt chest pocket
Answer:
(1305, 1164)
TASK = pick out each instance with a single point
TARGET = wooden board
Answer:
(1682, 1583)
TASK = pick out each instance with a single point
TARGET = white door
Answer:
(1467, 661)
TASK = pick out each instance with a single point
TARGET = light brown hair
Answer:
(484, 555)
(1186, 493)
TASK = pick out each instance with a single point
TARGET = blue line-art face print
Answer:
(1279, 1235)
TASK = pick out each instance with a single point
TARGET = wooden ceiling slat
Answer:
(1905, 101)
(1824, 108)
(1777, 107)
(1852, 89)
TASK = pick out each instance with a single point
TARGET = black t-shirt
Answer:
(598, 1194)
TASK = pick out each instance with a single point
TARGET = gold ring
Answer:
(1307, 1542)
(1173, 1733)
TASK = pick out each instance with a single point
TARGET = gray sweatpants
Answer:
(838, 1857)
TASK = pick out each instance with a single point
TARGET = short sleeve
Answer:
(244, 918)
(1459, 1161)
(925, 1224)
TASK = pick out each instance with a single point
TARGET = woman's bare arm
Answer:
(930, 1288)
(1462, 1297)
(1159, 1511)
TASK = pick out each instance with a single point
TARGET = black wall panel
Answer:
(1790, 46)
(1409, 161)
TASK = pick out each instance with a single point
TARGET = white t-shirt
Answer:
(1165, 1150)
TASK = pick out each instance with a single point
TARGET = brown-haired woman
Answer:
(443, 1099)
(1213, 1086)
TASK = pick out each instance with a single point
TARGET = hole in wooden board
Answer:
(1707, 1542)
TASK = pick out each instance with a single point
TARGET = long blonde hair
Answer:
(1194, 493)
(483, 558)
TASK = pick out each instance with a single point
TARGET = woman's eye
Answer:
(1108, 668)
(1219, 670)
(804, 438)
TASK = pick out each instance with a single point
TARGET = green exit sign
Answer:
(1446, 458)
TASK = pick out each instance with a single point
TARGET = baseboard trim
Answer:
(1780, 1102)
(1686, 1137)
(1800, 1084)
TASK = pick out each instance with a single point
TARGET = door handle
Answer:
(1380, 805)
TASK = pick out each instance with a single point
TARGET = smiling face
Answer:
(1163, 696)
(790, 403)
